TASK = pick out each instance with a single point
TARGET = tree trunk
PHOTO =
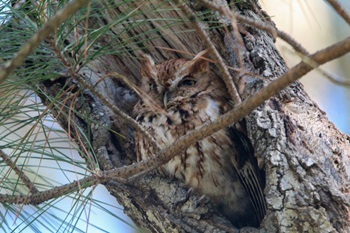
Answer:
(306, 158)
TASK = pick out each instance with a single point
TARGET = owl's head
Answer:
(175, 79)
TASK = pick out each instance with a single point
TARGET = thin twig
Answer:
(260, 25)
(213, 51)
(22, 142)
(330, 77)
(30, 185)
(49, 27)
(55, 192)
(340, 10)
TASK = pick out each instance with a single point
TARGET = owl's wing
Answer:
(248, 171)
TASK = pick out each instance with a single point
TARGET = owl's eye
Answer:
(187, 82)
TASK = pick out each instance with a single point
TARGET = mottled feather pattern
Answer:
(187, 94)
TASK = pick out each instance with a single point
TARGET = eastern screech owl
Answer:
(179, 96)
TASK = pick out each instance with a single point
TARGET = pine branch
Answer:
(30, 185)
(49, 27)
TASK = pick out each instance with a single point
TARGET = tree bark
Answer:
(305, 157)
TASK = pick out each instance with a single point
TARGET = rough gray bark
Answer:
(306, 158)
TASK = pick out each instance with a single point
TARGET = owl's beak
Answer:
(165, 99)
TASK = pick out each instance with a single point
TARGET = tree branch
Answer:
(19, 172)
(56, 192)
(340, 10)
(50, 26)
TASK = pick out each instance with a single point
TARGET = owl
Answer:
(178, 96)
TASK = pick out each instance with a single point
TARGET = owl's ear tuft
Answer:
(200, 63)
(148, 68)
